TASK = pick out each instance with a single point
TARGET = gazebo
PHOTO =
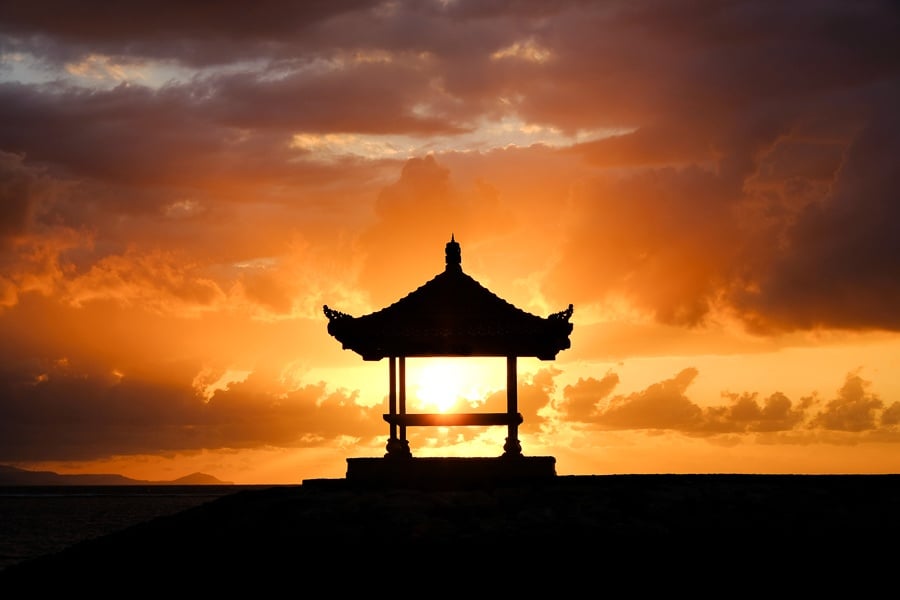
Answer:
(451, 315)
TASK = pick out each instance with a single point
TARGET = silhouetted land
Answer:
(13, 476)
(768, 533)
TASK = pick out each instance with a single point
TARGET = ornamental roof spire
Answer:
(454, 255)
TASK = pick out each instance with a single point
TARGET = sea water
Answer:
(38, 520)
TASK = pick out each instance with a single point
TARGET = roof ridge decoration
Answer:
(453, 255)
(451, 315)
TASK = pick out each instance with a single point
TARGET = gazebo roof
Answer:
(451, 315)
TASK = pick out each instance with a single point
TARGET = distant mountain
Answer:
(15, 476)
(196, 479)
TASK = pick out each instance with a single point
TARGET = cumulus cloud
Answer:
(854, 409)
(86, 414)
(667, 406)
(583, 398)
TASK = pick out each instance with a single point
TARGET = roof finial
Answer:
(454, 255)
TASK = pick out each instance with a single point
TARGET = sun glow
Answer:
(449, 384)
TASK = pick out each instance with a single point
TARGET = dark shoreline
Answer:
(587, 525)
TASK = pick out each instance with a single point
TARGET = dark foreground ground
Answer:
(722, 535)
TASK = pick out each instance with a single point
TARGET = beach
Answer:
(588, 527)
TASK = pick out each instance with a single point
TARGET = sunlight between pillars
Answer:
(399, 419)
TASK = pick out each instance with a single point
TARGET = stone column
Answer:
(512, 447)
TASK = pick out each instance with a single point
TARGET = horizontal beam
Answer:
(454, 419)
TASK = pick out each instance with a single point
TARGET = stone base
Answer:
(449, 472)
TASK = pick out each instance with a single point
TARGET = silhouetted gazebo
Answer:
(452, 315)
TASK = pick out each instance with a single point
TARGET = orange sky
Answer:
(713, 186)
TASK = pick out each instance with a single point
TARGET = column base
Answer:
(450, 472)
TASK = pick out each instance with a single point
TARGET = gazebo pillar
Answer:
(397, 446)
(392, 393)
(512, 447)
(402, 366)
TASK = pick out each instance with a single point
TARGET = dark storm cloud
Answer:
(841, 263)
(731, 99)
(65, 411)
(18, 196)
(194, 33)
(356, 67)
(362, 98)
(271, 29)
(137, 136)
(709, 63)
(197, 133)
(129, 134)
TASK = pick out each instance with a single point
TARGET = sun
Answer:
(448, 384)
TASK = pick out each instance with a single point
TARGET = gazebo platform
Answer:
(449, 472)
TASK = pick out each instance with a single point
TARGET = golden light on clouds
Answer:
(333, 146)
(104, 68)
(717, 200)
(210, 381)
(527, 50)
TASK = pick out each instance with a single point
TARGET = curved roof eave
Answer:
(451, 315)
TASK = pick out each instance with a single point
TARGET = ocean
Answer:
(38, 520)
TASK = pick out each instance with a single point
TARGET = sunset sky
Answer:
(714, 186)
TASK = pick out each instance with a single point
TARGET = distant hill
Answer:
(15, 476)
(195, 479)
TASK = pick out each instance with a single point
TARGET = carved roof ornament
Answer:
(453, 255)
